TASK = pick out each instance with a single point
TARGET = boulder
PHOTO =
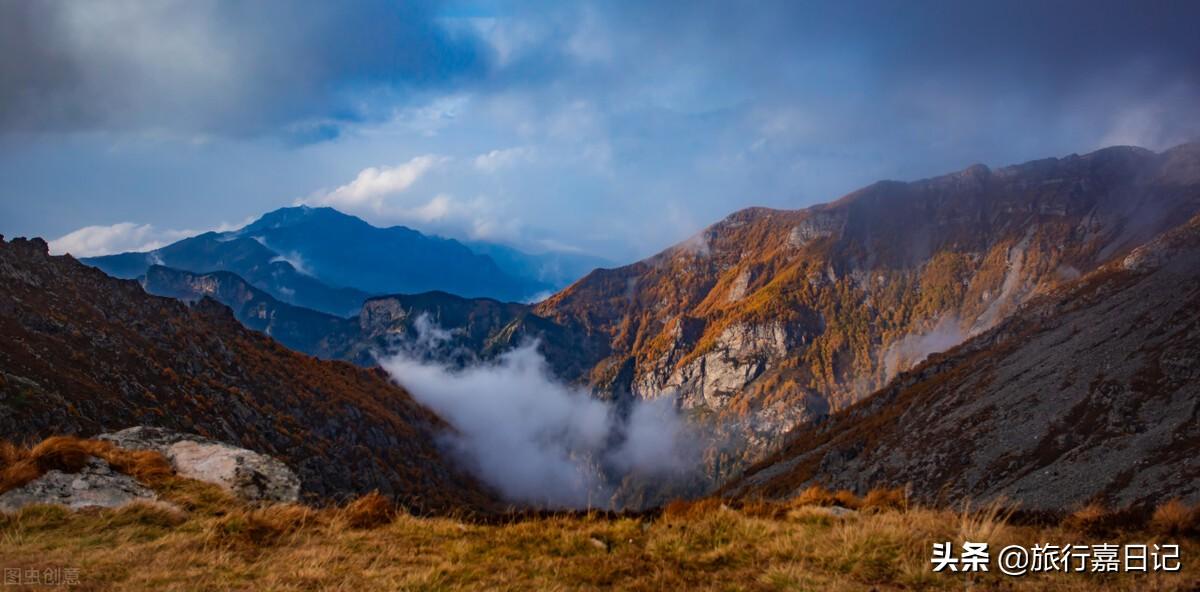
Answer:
(245, 473)
(95, 485)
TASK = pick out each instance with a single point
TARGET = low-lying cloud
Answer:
(544, 443)
(912, 349)
(92, 241)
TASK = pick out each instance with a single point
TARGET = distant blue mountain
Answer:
(555, 268)
(323, 259)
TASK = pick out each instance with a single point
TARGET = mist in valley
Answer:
(544, 443)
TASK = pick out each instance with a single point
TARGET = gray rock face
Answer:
(245, 473)
(1089, 393)
(742, 353)
(96, 485)
(818, 225)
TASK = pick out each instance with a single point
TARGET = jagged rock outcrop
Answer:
(245, 473)
(791, 314)
(96, 485)
(1091, 392)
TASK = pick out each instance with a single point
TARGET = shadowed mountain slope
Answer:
(323, 259)
(323, 335)
(250, 259)
(84, 353)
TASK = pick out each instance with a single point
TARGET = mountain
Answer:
(770, 319)
(302, 329)
(346, 251)
(323, 259)
(1090, 392)
(555, 269)
(431, 325)
(85, 353)
(262, 267)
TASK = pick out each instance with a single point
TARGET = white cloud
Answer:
(92, 241)
(384, 195)
(373, 186)
(295, 260)
(495, 160)
(540, 441)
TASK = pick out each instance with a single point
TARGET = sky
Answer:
(609, 128)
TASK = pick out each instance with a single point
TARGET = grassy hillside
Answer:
(207, 541)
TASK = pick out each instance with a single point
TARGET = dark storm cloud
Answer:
(616, 127)
(214, 67)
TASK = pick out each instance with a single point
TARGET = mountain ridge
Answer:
(329, 261)
(86, 353)
(1087, 394)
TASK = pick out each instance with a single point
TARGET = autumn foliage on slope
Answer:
(1087, 396)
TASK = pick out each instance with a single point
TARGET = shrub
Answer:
(148, 513)
(1175, 518)
(815, 495)
(895, 498)
(369, 511)
(762, 509)
(846, 499)
(264, 526)
(1093, 519)
(684, 509)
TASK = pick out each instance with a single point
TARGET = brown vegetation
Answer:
(708, 544)
(83, 353)
(20, 465)
(1175, 518)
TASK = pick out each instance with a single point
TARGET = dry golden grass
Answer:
(216, 544)
(19, 466)
(1093, 518)
(1175, 518)
(815, 495)
(197, 537)
(369, 511)
(885, 499)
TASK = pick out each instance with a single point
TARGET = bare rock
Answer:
(245, 473)
(95, 485)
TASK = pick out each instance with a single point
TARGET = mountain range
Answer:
(322, 259)
(1090, 392)
(804, 343)
(85, 353)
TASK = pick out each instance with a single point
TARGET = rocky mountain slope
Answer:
(769, 319)
(84, 353)
(1090, 392)
(302, 329)
(323, 259)
(429, 326)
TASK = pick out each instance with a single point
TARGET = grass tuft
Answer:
(1175, 518)
(369, 511)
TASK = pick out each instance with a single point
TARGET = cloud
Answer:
(912, 349)
(626, 106)
(385, 195)
(544, 443)
(267, 67)
(492, 161)
(373, 186)
(92, 241)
